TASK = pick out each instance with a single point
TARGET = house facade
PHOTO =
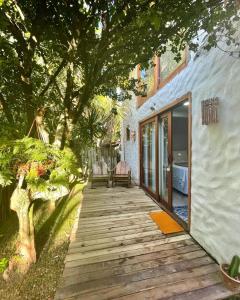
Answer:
(182, 143)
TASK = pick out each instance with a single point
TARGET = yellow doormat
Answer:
(165, 223)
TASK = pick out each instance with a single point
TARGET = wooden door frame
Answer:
(151, 120)
(167, 115)
(156, 116)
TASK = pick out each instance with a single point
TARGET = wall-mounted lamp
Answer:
(133, 135)
(153, 107)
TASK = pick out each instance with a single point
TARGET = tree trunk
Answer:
(60, 132)
(64, 131)
(51, 206)
(25, 251)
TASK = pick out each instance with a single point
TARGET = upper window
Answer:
(164, 70)
(169, 67)
(147, 76)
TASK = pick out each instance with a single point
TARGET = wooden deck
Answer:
(119, 253)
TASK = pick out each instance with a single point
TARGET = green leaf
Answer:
(3, 264)
(156, 21)
(5, 179)
(27, 35)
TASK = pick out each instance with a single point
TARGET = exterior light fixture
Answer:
(186, 103)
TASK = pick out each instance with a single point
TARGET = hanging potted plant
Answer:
(231, 274)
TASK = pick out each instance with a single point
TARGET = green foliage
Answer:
(3, 264)
(99, 124)
(233, 270)
(43, 165)
(62, 54)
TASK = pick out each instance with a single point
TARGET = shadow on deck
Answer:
(119, 253)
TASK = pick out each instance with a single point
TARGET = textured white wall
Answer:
(215, 148)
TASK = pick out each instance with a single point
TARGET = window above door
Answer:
(162, 70)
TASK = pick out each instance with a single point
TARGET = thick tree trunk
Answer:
(26, 244)
(25, 251)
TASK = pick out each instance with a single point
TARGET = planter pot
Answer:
(230, 283)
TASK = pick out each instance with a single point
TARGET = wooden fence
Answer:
(5, 194)
(110, 155)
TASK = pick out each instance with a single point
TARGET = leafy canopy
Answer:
(61, 54)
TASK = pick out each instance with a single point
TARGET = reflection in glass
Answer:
(180, 161)
(164, 167)
(148, 149)
(168, 64)
(147, 78)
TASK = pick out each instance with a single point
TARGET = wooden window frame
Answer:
(158, 83)
(176, 71)
(141, 100)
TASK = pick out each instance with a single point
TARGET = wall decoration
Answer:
(133, 135)
(128, 133)
(210, 111)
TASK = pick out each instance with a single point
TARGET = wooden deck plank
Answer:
(133, 269)
(119, 286)
(138, 257)
(120, 265)
(115, 227)
(109, 241)
(129, 255)
(118, 234)
(141, 223)
(112, 252)
(213, 292)
(119, 253)
(169, 290)
(139, 220)
(122, 216)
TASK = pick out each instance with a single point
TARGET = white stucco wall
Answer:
(215, 148)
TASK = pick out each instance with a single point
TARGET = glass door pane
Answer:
(164, 159)
(152, 164)
(180, 165)
(149, 156)
(145, 154)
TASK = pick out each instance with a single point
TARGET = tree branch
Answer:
(47, 71)
(53, 77)
(15, 30)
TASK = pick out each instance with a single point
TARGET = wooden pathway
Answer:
(119, 253)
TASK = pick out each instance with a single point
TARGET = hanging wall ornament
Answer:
(210, 111)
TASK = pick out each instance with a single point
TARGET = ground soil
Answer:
(52, 231)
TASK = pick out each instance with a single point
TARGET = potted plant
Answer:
(231, 274)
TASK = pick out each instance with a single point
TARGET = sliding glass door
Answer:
(165, 167)
(148, 155)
